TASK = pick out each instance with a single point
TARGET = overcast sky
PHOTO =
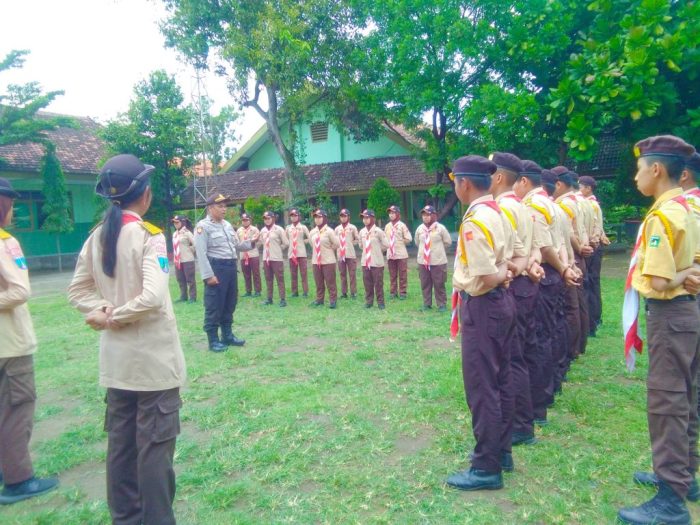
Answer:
(96, 51)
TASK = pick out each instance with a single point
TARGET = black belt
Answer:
(222, 262)
(677, 299)
(496, 292)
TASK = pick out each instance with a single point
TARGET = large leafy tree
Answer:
(160, 129)
(278, 55)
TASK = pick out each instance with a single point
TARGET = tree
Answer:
(278, 55)
(160, 130)
(381, 196)
(57, 206)
(19, 107)
(255, 207)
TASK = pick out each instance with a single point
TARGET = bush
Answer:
(381, 196)
(255, 207)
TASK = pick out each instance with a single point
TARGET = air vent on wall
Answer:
(319, 132)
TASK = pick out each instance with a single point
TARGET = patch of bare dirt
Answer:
(89, 478)
(407, 445)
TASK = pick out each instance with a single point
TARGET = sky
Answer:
(96, 51)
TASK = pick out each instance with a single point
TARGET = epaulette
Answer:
(151, 228)
(4, 235)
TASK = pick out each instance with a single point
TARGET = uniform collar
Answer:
(505, 195)
(132, 213)
(567, 194)
(535, 191)
(484, 198)
(665, 197)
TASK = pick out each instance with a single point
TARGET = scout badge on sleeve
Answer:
(14, 250)
(161, 253)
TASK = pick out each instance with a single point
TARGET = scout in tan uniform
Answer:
(432, 239)
(17, 392)
(324, 244)
(483, 271)
(250, 263)
(373, 243)
(396, 256)
(348, 236)
(184, 253)
(121, 285)
(273, 241)
(665, 253)
(298, 235)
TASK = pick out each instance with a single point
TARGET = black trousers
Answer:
(220, 300)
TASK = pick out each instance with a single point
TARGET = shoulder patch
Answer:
(4, 235)
(200, 229)
(14, 250)
(161, 252)
(150, 228)
(654, 241)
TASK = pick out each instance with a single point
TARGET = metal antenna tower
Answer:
(202, 182)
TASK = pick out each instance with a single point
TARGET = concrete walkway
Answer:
(48, 283)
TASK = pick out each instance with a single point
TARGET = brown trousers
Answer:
(251, 274)
(17, 396)
(433, 280)
(300, 268)
(324, 275)
(348, 269)
(673, 330)
(274, 269)
(142, 428)
(398, 276)
(185, 278)
(373, 279)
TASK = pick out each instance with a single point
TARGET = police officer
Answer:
(121, 284)
(17, 392)
(373, 243)
(348, 237)
(396, 255)
(432, 240)
(483, 271)
(217, 251)
(664, 260)
(250, 259)
(298, 235)
(183, 257)
(324, 244)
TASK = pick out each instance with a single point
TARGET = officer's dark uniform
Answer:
(217, 247)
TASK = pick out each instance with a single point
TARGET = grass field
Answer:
(340, 416)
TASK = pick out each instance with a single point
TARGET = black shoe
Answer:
(649, 479)
(181, 300)
(666, 507)
(332, 306)
(353, 296)
(283, 303)
(381, 306)
(393, 296)
(540, 422)
(267, 302)
(442, 308)
(474, 479)
(316, 303)
(12, 493)
(192, 301)
(256, 294)
(520, 438)
(228, 339)
(247, 294)
(214, 344)
(591, 333)
(295, 294)
(368, 305)
(507, 463)
(344, 296)
(402, 297)
(306, 294)
(426, 308)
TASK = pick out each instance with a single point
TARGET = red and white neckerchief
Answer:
(317, 246)
(295, 234)
(368, 249)
(266, 246)
(427, 244)
(630, 304)
(246, 255)
(343, 243)
(392, 242)
(176, 249)
(461, 255)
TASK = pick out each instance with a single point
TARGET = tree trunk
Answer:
(449, 204)
(58, 251)
(290, 164)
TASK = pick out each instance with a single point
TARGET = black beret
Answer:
(218, 198)
(693, 162)
(663, 145)
(320, 213)
(429, 210)
(6, 189)
(507, 161)
(367, 213)
(585, 180)
(120, 174)
(564, 175)
(394, 208)
(532, 171)
(548, 177)
(474, 166)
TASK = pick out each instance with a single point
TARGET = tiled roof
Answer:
(344, 177)
(79, 149)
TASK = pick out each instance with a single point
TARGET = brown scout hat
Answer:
(245, 217)
(507, 161)
(218, 198)
(294, 211)
(474, 166)
(664, 146)
(345, 212)
(120, 175)
(367, 213)
(393, 208)
(268, 214)
(565, 175)
(6, 189)
(532, 171)
(320, 213)
(428, 209)
(585, 180)
(693, 162)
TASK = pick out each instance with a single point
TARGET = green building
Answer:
(349, 168)
(80, 151)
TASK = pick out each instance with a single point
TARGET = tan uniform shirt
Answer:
(519, 219)
(302, 233)
(661, 254)
(597, 219)
(542, 211)
(18, 338)
(187, 249)
(401, 237)
(562, 230)
(569, 203)
(351, 236)
(378, 243)
(692, 197)
(328, 244)
(439, 240)
(145, 354)
(586, 207)
(245, 234)
(273, 242)
(485, 244)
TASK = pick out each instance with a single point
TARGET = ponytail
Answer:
(109, 236)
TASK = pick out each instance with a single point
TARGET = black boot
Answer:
(666, 507)
(649, 479)
(12, 493)
(475, 479)
(227, 337)
(214, 344)
(521, 438)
